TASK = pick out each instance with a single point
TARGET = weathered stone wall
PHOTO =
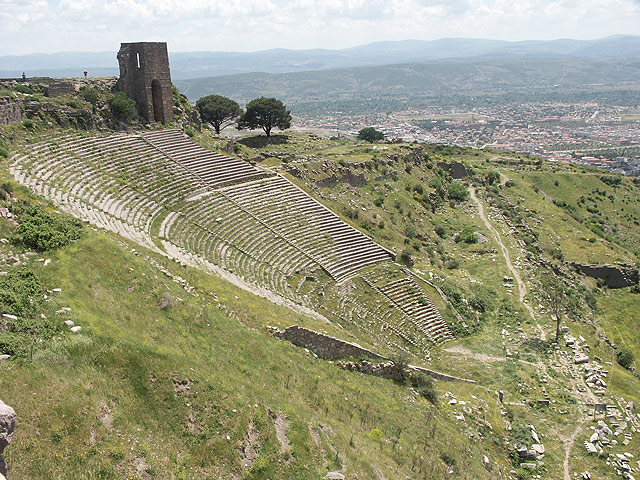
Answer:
(385, 369)
(10, 111)
(146, 78)
(333, 348)
(614, 276)
(324, 346)
(7, 424)
(56, 89)
(355, 180)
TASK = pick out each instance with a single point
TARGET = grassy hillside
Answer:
(161, 382)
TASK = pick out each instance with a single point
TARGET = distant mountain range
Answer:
(521, 77)
(185, 65)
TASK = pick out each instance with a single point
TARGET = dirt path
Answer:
(522, 289)
(569, 441)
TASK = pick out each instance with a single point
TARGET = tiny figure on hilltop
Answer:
(24, 77)
(85, 74)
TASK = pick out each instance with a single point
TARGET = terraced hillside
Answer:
(169, 194)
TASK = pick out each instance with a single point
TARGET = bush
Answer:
(457, 191)
(190, 133)
(26, 123)
(90, 95)
(42, 231)
(378, 202)
(122, 107)
(467, 236)
(425, 386)
(625, 358)
(23, 89)
(3, 152)
(406, 257)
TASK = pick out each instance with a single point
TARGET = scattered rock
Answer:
(7, 424)
(69, 323)
(334, 476)
(76, 329)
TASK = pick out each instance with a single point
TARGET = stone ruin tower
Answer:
(145, 77)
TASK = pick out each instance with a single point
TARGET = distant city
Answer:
(596, 135)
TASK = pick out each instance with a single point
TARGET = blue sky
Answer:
(30, 26)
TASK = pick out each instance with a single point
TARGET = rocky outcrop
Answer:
(613, 276)
(7, 424)
(457, 170)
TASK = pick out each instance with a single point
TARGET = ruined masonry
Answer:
(216, 212)
(145, 77)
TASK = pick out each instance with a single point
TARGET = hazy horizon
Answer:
(52, 26)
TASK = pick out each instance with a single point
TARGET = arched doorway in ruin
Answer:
(158, 106)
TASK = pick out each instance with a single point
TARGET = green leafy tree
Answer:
(370, 134)
(219, 111)
(265, 113)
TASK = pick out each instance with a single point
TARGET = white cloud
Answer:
(41, 26)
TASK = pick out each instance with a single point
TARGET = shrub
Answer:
(406, 257)
(425, 386)
(378, 202)
(190, 133)
(90, 94)
(624, 357)
(74, 104)
(42, 231)
(122, 107)
(23, 89)
(27, 123)
(467, 236)
(3, 152)
(452, 264)
(418, 188)
(457, 191)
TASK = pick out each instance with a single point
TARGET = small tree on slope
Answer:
(265, 113)
(219, 111)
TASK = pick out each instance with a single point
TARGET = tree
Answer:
(558, 297)
(370, 134)
(265, 113)
(219, 111)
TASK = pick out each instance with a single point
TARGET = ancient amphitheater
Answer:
(165, 192)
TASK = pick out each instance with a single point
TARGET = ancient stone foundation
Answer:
(10, 111)
(7, 424)
(613, 276)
